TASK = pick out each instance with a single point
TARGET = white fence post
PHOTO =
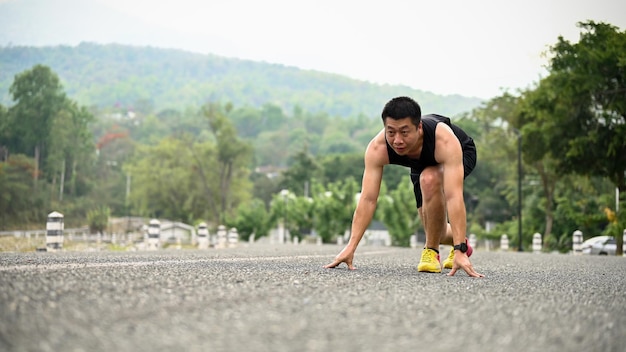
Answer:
(504, 242)
(577, 242)
(413, 241)
(537, 243)
(54, 231)
(233, 237)
(203, 236)
(221, 236)
(154, 234)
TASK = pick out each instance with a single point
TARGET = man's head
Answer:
(402, 118)
(402, 107)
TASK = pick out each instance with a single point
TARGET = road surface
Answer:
(280, 298)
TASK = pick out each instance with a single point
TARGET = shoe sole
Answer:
(427, 270)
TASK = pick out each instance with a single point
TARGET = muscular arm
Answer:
(449, 153)
(375, 159)
(366, 206)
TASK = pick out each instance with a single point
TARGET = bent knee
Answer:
(431, 180)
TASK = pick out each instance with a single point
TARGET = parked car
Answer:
(606, 247)
(589, 243)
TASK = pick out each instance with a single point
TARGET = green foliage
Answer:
(588, 84)
(52, 130)
(252, 219)
(233, 155)
(336, 167)
(171, 180)
(303, 170)
(159, 79)
(18, 203)
(575, 120)
(399, 213)
(38, 98)
(334, 207)
(98, 219)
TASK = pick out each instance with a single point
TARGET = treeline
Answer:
(254, 168)
(149, 79)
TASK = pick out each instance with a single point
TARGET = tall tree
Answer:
(167, 182)
(302, 171)
(71, 148)
(38, 97)
(588, 112)
(233, 154)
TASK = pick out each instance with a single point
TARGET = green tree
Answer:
(296, 213)
(302, 171)
(98, 219)
(38, 98)
(252, 219)
(71, 149)
(17, 209)
(233, 154)
(587, 110)
(168, 180)
(336, 167)
(398, 211)
(333, 208)
(490, 192)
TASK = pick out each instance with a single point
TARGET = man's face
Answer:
(403, 136)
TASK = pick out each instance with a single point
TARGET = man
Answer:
(440, 156)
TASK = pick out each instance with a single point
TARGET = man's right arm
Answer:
(370, 188)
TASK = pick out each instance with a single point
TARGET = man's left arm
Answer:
(453, 190)
(450, 154)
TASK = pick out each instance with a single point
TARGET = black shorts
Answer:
(469, 162)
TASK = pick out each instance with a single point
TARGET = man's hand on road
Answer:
(345, 256)
(461, 261)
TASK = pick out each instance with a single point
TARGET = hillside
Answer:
(109, 75)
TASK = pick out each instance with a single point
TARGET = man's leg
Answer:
(447, 237)
(433, 215)
(433, 210)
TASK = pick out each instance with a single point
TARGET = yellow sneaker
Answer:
(429, 262)
(449, 262)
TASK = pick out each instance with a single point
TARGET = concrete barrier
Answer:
(203, 236)
(233, 237)
(54, 231)
(577, 242)
(154, 235)
(221, 237)
(537, 243)
(504, 242)
(413, 241)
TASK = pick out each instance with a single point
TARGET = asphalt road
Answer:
(280, 298)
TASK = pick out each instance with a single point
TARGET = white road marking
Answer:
(57, 266)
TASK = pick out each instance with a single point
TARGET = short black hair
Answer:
(399, 108)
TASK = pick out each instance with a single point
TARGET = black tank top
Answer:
(427, 157)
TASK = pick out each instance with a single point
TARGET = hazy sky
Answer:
(473, 48)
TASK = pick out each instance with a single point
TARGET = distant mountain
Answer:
(128, 76)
